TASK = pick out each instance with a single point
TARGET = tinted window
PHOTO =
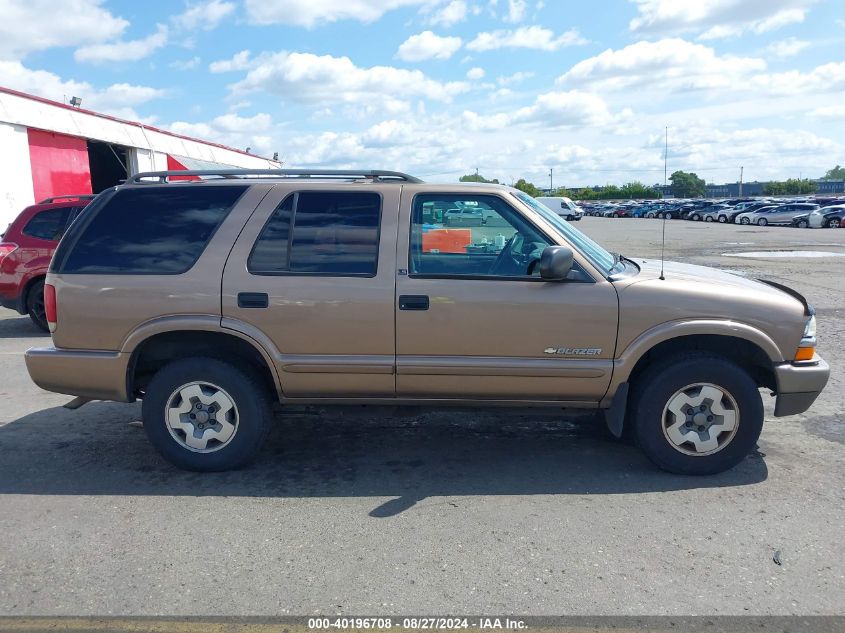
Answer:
(329, 233)
(156, 230)
(47, 225)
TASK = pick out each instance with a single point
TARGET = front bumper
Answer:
(798, 386)
(90, 374)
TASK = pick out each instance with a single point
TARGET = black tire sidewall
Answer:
(39, 319)
(657, 385)
(246, 391)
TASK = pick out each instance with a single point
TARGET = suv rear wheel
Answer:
(35, 305)
(204, 414)
(696, 415)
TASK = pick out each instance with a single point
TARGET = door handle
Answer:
(253, 300)
(413, 302)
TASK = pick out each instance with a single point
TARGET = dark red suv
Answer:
(26, 249)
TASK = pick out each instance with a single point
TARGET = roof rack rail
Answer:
(70, 196)
(370, 174)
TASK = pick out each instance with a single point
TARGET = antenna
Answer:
(663, 240)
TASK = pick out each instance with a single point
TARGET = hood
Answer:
(690, 292)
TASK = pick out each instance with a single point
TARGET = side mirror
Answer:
(555, 263)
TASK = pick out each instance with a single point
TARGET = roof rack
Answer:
(341, 174)
(71, 196)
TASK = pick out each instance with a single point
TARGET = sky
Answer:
(440, 88)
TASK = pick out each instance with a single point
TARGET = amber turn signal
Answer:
(804, 353)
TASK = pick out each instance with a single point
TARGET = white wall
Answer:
(15, 173)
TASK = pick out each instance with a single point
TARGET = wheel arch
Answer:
(156, 343)
(749, 347)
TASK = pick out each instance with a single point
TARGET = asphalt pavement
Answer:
(440, 512)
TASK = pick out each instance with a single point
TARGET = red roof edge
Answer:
(25, 95)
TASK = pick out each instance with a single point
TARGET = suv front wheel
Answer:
(696, 415)
(206, 415)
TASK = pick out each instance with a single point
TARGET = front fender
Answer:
(625, 361)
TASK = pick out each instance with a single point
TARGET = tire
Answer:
(835, 223)
(802, 224)
(744, 221)
(695, 217)
(723, 219)
(650, 215)
(708, 218)
(35, 305)
(225, 387)
(762, 222)
(659, 387)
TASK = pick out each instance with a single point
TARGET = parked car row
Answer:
(802, 213)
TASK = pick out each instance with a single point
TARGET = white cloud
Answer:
(673, 64)
(449, 14)
(825, 78)
(427, 45)
(517, 10)
(326, 80)
(834, 113)
(551, 110)
(515, 78)
(534, 37)
(240, 61)
(40, 24)
(788, 47)
(185, 64)
(310, 13)
(233, 130)
(115, 99)
(716, 18)
(204, 15)
(123, 51)
(475, 73)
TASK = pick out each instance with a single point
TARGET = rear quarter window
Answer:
(47, 225)
(154, 231)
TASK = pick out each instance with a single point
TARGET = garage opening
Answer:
(109, 165)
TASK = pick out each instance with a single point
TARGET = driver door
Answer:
(474, 320)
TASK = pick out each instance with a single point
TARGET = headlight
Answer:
(810, 327)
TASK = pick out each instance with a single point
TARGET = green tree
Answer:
(789, 186)
(527, 187)
(687, 185)
(477, 178)
(837, 173)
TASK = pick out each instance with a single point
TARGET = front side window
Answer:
(323, 233)
(600, 258)
(47, 225)
(149, 230)
(472, 235)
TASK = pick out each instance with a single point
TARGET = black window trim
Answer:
(58, 264)
(523, 278)
(294, 273)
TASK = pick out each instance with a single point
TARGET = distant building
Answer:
(50, 149)
(751, 189)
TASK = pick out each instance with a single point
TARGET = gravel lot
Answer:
(436, 513)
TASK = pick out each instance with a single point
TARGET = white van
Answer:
(564, 207)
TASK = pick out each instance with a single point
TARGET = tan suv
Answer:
(212, 299)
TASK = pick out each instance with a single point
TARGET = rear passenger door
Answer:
(312, 277)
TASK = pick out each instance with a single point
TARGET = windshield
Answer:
(598, 256)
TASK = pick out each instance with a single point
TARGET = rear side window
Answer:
(152, 231)
(47, 225)
(322, 233)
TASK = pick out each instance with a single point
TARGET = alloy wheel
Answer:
(201, 417)
(700, 419)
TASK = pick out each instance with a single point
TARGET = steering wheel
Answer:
(515, 258)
